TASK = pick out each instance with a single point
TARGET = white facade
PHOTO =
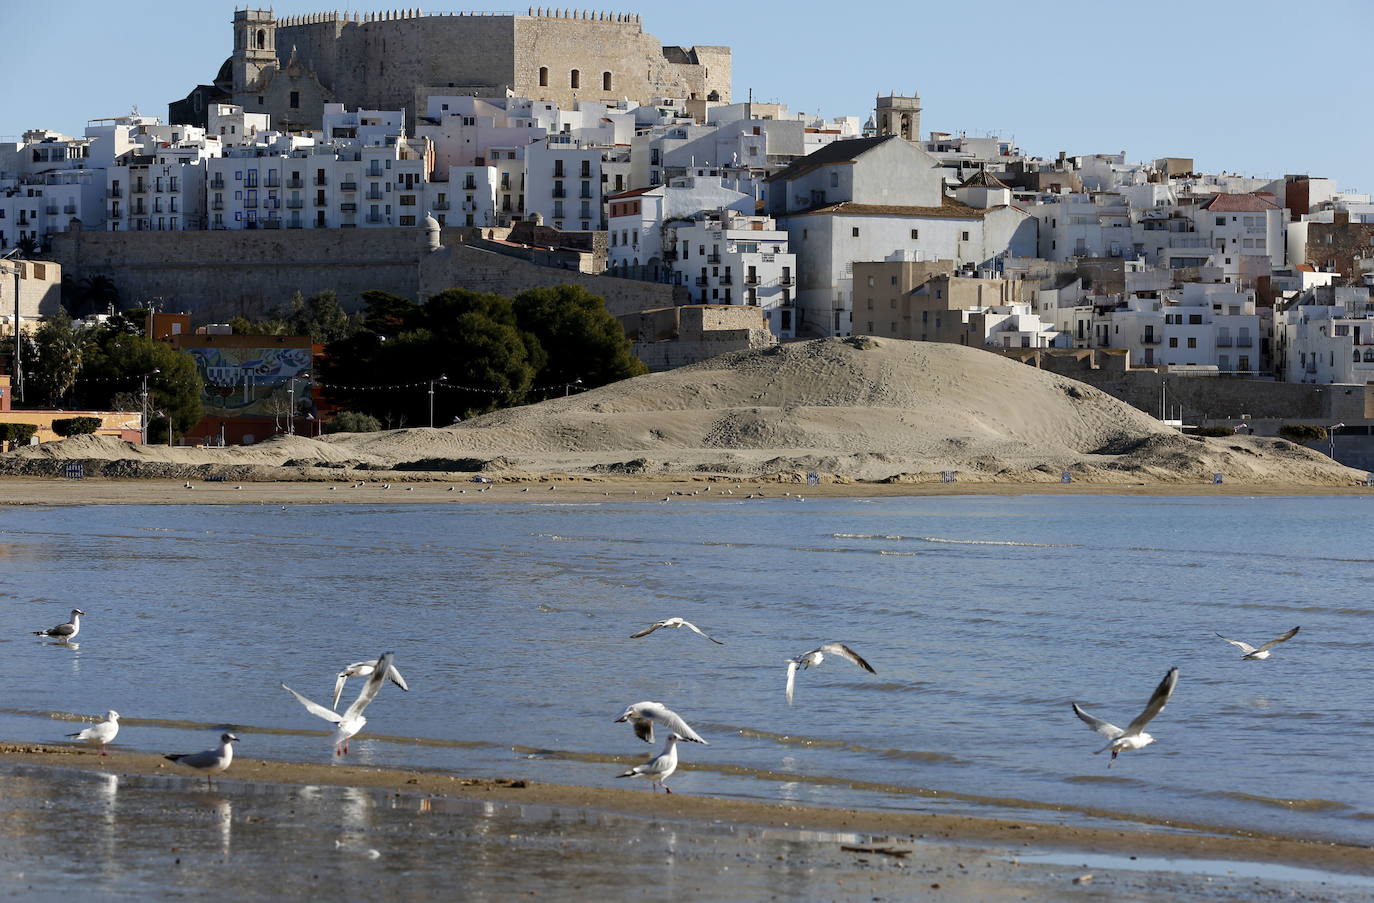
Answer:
(235, 128)
(565, 183)
(1329, 337)
(727, 257)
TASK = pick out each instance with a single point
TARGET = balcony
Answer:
(272, 204)
(250, 203)
(273, 223)
(713, 258)
(1223, 341)
(348, 208)
(703, 281)
(139, 188)
(320, 201)
(348, 186)
(786, 279)
(375, 195)
(69, 209)
(295, 224)
(440, 205)
(216, 205)
(586, 193)
(727, 279)
(295, 182)
(374, 173)
(751, 279)
(114, 193)
(321, 181)
(137, 211)
(469, 185)
(294, 203)
(1150, 339)
(273, 181)
(216, 184)
(560, 193)
(50, 211)
(1245, 342)
(375, 218)
(23, 220)
(558, 172)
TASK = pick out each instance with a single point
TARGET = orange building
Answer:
(119, 424)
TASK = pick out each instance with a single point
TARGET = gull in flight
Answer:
(103, 732)
(209, 761)
(363, 669)
(660, 767)
(64, 632)
(352, 720)
(674, 622)
(816, 656)
(1134, 736)
(1260, 654)
(644, 715)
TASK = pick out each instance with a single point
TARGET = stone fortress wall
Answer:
(387, 60)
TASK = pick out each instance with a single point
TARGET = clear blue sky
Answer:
(1265, 87)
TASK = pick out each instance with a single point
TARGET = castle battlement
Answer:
(395, 15)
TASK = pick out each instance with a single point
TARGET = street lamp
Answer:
(143, 410)
(1331, 437)
(18, 388)
(567, 387)
(291, 392)
(441, 379)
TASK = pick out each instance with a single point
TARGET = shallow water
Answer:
(984, 618)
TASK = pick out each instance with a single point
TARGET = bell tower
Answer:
(898, 115)
(255, 45)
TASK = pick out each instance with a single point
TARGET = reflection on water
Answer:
(510, 623)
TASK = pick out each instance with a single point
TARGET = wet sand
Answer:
(422, 488)
(970, 858)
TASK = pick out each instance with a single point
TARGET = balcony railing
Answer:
(374, 218)
(114, 193)
(586, 193)
(727, 279)
(321, 180)
(1245, 342)
(440, 205)
(786, 280)
(348, 208)
(320, 202)
(374, 173)
(751, 279)
(1223, 341)
(702, 280)
(250, 203)
(50, 211)
(560, 193)
(294, 203)
(470, 185)
(375, 195)
(713, 258)
(216, 205)
(271, 223)
(348, 186)
(273, 182)
(272, 203)
(139, 188)
(70, 208)
(216, 184)
(1149, 339)
(295, 182)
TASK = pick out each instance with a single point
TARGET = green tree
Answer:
(581, 340)
(17, 433)
(352, 422)
(75, 426)
(58, 349)
(116, 365)
(320, 316)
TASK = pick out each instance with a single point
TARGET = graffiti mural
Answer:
(249, 382)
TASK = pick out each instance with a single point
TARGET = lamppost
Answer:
(567, 387)
(168, 418)
(143, 410)
(441, 379)
(1331, 437)
(18, 387)
(291, 392)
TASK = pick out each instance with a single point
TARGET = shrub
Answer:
(1302, 432)
(353, 422)
(1215, 432)
(17, 433)
(75, 426)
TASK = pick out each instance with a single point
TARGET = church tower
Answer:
(899, 116)
(255, 45)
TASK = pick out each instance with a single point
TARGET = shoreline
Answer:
(434, 489)
(1165, 840)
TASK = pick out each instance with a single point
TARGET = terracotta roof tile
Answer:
(1241, 203)
(950, 209)
(845, 151)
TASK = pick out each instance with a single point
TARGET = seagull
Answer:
(210, 761)
(673, 622)
(660, 767)
(816, 656)
(103, 732)
(351, 721)
(1133, 737)
(643, 715)
(66, 631)
(364, 669)
(1258, 655)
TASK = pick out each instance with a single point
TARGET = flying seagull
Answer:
(209, 761)
(363, 669)
(674, 622)
(816, 656)
(102, 732)
(1134, 736)
(644, 715)
(1260, 654)
(351, 721)
(66, 631)
(660, 767)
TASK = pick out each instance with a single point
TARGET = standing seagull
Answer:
(816, 656)
(643, 715)
(660, 767)
(1134, 736)
(103, 732)
(66, 631)
(351, 721)
(1258, 655)
(363, 669)
(209, 761)
(674, 622)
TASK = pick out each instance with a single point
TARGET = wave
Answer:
(959, 542)
(1293, 805)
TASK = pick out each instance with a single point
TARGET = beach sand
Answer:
(823, 853)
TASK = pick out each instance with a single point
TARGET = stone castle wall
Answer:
(219, 274)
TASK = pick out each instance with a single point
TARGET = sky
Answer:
(1264, 87)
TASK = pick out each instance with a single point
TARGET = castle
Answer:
(290, 67)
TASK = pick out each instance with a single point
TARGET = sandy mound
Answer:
(861, 408)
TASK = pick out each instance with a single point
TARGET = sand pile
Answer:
(861, 409)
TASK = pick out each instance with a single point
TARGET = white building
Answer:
(564, 183)
(1328, 336)
(728, 257)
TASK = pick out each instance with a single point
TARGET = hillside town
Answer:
(707, 222)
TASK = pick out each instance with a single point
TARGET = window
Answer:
(1192, 342)
(834, 180)
(605, 81)
(1195, 319)
(855, 231)
(1221, 221)
(543, 76)
(1173, 341)
(892, 280)
(915, 234)
(963, 236)
(295, 100)
(575, 79)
